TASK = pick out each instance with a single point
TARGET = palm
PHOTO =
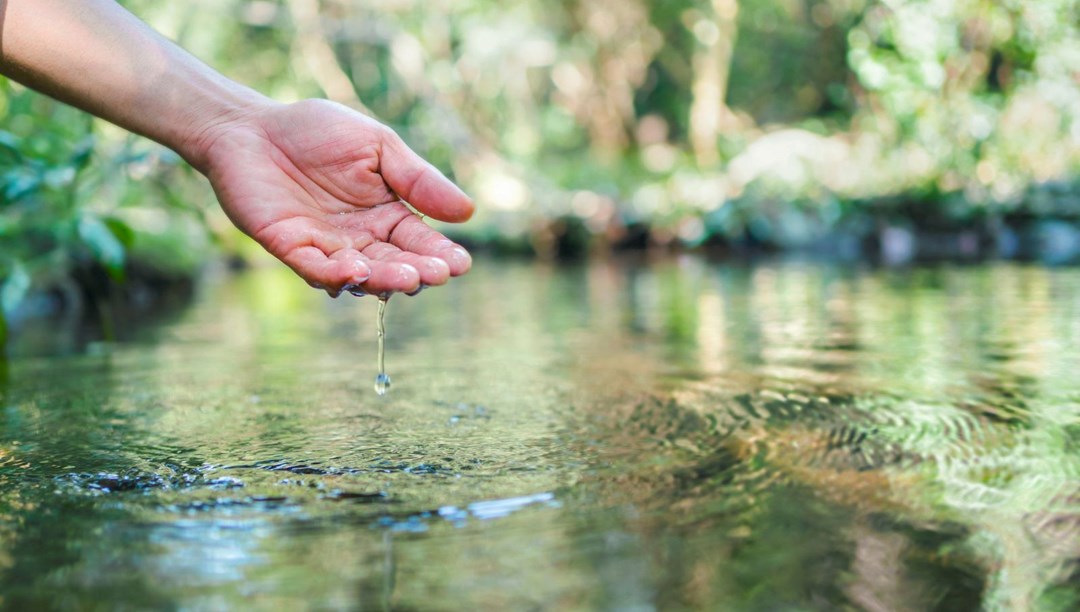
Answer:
(321, 188)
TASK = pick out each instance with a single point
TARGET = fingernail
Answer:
(408, 275)
(438, 266)
(363, 271)
(459, 257)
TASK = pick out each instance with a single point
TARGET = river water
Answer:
(675, 434)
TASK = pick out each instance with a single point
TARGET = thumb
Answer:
(421, 184)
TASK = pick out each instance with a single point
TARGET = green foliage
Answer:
(65, 195)
(532, 105)
(976, 94)
(772, 121)
(39, 175)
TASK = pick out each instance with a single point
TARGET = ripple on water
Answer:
(170, 477)
(707, 437)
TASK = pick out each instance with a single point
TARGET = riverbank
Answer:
(91, 304)
(1043, 225)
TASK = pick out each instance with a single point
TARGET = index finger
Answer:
(411, 234)
(421, 184)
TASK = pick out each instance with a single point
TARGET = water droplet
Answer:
(382, 383)
(355, 289)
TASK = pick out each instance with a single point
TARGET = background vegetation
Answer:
(605, 123)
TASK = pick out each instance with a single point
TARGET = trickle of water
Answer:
(382, 380)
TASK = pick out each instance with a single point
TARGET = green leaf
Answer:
(121, 230)
(60, 176)
(81, 157)
(134, 158)
(106, 247)
(20, 183)
(11, 144)
(14, 289)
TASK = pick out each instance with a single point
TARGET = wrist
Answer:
(210, 121)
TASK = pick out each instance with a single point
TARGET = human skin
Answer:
(318, 185)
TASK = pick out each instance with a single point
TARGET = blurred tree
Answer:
(640, 103)
(716, 31)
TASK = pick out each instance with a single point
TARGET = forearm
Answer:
(97, 56)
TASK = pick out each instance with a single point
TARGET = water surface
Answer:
(681, 434)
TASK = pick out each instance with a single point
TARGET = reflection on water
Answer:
(675, 435)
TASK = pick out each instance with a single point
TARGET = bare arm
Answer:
(97, 56)
(318, 185)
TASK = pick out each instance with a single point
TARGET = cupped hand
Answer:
(323, 188)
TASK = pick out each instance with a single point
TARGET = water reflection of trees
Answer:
(718, 433)
(931, 408)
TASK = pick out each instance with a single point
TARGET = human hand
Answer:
(321, 188)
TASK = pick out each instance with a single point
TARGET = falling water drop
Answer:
(382, 383)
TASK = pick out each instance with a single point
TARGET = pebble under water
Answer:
(679, 435)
